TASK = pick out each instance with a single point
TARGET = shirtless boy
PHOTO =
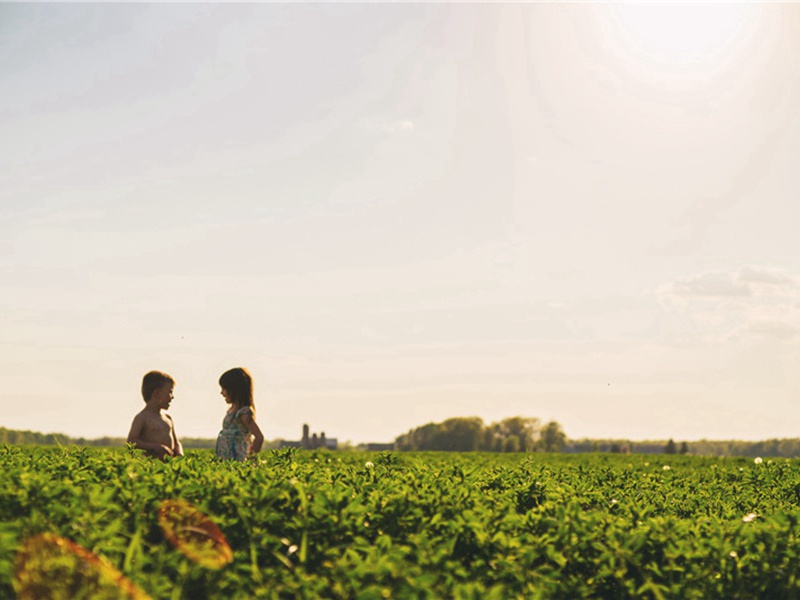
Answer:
(152, 429)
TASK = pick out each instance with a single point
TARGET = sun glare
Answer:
(683, 33)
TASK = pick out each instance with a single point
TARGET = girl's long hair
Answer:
(239, 385)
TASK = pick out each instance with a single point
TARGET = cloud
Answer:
(753, 302)
(762, 275)
(770, 329)
(711, 285)
(749, 281)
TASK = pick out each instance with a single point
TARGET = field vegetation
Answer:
(311, 524)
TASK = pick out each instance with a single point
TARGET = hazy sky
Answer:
(398, 213)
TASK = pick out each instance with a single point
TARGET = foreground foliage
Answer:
(359, 525)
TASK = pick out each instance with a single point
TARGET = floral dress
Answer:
(234, 441)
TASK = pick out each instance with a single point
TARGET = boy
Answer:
(152, 430)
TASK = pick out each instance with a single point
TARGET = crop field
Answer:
(316, 524)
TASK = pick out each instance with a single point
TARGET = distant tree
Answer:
(466, 434)
(684, 448)
(488, 442)
(553, 438)
(670, 448)
(511, 444)
(498, 444)
(424, 438)
(525, 429)
(459, 434)
(462, 434)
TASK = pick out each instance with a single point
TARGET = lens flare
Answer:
(49, 566)
(193, 533)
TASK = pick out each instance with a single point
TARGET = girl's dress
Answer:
(234, 441)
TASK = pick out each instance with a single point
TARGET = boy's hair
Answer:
(152, 381)
(239, 385)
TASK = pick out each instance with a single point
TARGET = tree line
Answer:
(786, 447)
(468, 434)
(34, 438)
(515, 434)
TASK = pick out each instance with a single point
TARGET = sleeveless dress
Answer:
(233, 442)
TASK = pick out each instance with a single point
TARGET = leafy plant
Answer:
(427, 525)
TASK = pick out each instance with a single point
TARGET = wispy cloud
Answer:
(748, 281)
(762, 275)
(753, 302)
(711, 284)
(769, 329)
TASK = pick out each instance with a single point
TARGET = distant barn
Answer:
(312, 442)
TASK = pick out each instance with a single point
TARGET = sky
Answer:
(393, 214)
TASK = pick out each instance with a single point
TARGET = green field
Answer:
(429, 525)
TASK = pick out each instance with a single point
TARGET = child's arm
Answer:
(177, 448)
(253, 428)
(136, 435)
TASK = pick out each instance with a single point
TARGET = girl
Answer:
(240, 436)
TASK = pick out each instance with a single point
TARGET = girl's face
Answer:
(225, 395)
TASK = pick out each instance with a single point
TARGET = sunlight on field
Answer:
(193, 533)
(49, 566)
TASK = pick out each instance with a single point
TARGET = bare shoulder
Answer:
(137, 425)
(140, 417)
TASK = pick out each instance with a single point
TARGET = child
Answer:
(240, 436)
(152, 430)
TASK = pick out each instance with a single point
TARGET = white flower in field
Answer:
(758, 460)
(733, 554)
(614, 501)
(750, 517)
(369, 464)
(667, 467)
(292, 549)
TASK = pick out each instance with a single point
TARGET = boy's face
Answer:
(163, 395)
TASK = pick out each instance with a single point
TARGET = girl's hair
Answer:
(239, 385)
